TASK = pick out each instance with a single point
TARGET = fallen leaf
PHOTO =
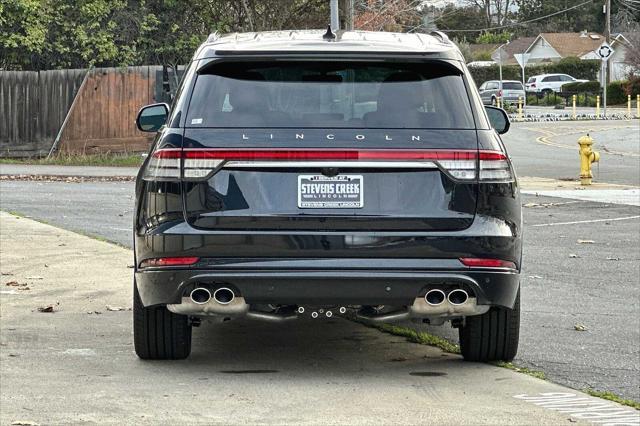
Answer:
(5, 273)
(531, 205)
(24, 423)
(13, 283)
(116, 308)
(535, 277)
(48, 308)
(580, 327)
(613, 258)
(23, 288)
(573, 256)
(398, 359)
(586, 242)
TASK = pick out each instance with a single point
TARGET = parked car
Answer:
(302, 175)
(509, 93)
(545, 84)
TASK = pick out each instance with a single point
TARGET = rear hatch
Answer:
(512, 90)
(330, 146)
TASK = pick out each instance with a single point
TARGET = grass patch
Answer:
(107, 159)
(419, 337)
(524, 370)
(613, 397)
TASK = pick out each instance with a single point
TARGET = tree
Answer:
(23, 31)
(588, 17)
(387, 15)
(494, 12)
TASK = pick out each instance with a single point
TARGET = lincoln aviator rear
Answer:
(318, 174)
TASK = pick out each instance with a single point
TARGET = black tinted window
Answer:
(330, 94)
(512, 86)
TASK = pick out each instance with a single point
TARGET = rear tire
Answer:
(492, 336)
(159, 333)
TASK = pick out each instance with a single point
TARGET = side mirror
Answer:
(152, 117)
(499, 119)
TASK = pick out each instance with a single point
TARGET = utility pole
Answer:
(335, 16)
(346, 7)
(607, 33)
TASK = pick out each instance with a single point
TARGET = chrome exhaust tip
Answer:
(224, 295)
(458, 297)
(200, 295)
(435, 297)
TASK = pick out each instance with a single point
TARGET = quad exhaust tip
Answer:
(458, 297)
(224, 295)
(200, 295)
(435, 297)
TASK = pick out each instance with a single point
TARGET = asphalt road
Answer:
(565, 283)
(76, 365)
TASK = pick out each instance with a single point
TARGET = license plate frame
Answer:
(330, 192)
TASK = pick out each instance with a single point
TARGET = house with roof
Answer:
(551, 47)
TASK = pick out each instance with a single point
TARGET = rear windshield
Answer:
(512, 86)
(330, 95)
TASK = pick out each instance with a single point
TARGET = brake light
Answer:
(200, 163)
(169, 261)
(474, 262)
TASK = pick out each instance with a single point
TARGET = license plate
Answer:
(336, 192)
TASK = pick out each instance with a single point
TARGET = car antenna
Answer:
(329, 35)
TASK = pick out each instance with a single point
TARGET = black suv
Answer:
(315, 174)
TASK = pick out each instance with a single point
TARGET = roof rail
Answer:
(213, 37)
(442, 36)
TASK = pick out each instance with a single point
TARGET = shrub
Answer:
(582, 87)
(615, 93)
(632, 86)
(493, 38)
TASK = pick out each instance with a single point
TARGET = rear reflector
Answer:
(474, 262)
(169, 261)
(200, 163)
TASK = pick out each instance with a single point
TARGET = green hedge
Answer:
(581, 87)
(587, 70)
(615, 93)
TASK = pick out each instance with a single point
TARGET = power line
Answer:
(515, 24)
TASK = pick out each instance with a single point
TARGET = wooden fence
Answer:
(33, 107)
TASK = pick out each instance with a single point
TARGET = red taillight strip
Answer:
(474, 262)
(333, 154)
(169, 261)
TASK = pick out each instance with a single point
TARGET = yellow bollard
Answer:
(629, 106)
(520, 107)
(598, 106)
(574, 106)
(498, 102)
(587, 156)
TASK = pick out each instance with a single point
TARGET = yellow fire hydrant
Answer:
(587, 156)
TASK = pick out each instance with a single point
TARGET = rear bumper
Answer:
(392, 282)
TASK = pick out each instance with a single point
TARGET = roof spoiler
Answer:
(440, 35)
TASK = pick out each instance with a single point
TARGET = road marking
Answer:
(585, 408)
(588, 221)
(544, 140)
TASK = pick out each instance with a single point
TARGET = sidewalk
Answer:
(312, 372)
(79, 171)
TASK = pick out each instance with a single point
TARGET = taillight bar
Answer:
(199, 163)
